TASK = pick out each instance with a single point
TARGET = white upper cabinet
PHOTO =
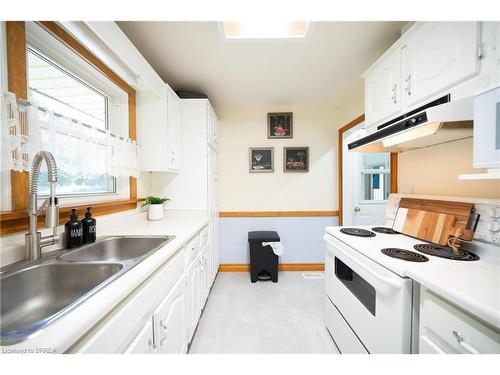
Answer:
(429, 60)
(383, 88)
(173, 131)
(159, 130)
(439, 55)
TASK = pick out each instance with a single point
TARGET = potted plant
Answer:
(155, 207)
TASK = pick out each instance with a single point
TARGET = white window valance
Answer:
(78, 147)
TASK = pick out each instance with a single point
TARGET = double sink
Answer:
(34, 295)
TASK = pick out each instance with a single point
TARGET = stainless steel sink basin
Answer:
(116, 249)
(33, 296)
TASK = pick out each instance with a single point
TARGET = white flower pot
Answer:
(155, 212)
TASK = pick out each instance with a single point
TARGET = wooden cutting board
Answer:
(433, 220)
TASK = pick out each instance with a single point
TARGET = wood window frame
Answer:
(17, 219)
(394, 164)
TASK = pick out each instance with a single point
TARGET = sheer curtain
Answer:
(80, 148)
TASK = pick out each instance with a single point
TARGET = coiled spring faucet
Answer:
(34, 239)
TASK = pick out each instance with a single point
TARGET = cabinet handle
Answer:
(463, 344)
(393, 97)
(150, 343)
(163, 325)
(408, 85)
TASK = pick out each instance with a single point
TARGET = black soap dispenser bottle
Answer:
(89, 227)
(73, 231)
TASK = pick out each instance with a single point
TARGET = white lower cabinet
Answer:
(447, 329)
(193, 297)
(169, 325)
(143, 343)
(161, 315)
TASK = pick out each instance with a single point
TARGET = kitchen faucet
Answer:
(34, 240)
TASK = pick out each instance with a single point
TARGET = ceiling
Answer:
(325, 67)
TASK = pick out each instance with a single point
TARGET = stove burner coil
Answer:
(357, 232)
(407, 255)
(445, 252)
(384, 230)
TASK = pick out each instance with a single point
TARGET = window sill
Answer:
(17, 221)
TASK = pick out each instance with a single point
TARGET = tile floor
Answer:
(241, 317)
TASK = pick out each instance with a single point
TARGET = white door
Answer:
(383, 89)
(169, 322)
(366, 183)
(143, 343)
(439, 55)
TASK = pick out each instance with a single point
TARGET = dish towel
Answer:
(276, 246)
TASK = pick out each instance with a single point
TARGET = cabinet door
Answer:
(143, 343)
(169, 322)
(193, 308)
(174, 131)
(383, 89)
(439, 55)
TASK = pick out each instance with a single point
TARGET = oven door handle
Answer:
(391, 283)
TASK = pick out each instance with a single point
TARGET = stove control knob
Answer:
(494, 227)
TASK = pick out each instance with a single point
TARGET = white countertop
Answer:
(66, 330)
(474, 285)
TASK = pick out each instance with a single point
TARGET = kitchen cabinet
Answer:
(445, 328)
(429, 60)
(439, 55)
(173, 131)
(159, 131)
(383, 88)
(161, 315)
(169, 324)
(143, 343)
(193, 297)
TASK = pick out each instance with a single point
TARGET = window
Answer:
(53, 87)
(375, 176)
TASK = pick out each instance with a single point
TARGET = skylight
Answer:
(265, 29)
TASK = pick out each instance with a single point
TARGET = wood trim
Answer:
(17, 78)
(64, 37)
(394, 172)
(394, 164)
(17, 221)
(358, 120)
(238, 267)
(278, 213)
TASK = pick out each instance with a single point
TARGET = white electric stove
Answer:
(371, 302)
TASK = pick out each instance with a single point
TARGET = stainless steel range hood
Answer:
(435, 123)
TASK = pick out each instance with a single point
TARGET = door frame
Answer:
(394, 164)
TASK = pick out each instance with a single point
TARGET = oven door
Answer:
(374, 302)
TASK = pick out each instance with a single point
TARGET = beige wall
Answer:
(314, 126)
(435, 170)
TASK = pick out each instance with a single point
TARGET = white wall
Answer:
(314, 126)
(434, 170)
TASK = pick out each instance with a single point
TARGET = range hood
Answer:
(437, 122)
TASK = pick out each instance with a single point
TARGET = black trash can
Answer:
(263, 261)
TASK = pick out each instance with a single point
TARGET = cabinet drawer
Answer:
(448, 329)
(204, 236)
(193, 248)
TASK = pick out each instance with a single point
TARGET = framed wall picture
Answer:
(280, 125)
(261, 159)
(296, 159)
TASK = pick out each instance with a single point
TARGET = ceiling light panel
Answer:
(265, 29)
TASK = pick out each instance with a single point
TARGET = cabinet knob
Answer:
(469, 348)
(357, 209)
(163, 325)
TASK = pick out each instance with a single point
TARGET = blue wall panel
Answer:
(302, 237)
